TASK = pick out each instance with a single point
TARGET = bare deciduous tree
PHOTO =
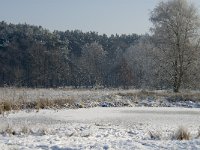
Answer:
(176, 34)
(139, 57)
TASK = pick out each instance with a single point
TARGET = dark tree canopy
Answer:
(35, 57)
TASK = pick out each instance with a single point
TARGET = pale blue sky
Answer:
(102, 16)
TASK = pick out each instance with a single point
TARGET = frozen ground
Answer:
(100, 128)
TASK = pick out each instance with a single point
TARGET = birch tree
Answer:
(176, 36)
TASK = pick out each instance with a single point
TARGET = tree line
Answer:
(35, 57)
(32, 56)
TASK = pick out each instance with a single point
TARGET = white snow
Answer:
(102, 124)
(100, 128)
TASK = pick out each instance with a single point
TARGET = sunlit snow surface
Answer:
(100, 128)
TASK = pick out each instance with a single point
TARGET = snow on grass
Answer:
(20, 98)
(101, 128)
(147, 120)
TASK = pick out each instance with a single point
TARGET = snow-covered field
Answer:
(147, 120)
(100, 128)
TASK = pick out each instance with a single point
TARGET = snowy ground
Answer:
(100, 128)
(110, 119)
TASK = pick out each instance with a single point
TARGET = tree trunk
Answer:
(177, 83)
(176, 89)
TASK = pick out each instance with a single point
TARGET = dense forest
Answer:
(32, 56)
(35, 57)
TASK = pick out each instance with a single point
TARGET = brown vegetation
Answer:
(182, 134)
(171, 96)
(6, 106)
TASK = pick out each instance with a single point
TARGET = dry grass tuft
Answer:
(43, 131)
(155, 135)
(198, 134)
(5, 106)
(25, 130)
(8, 130)
(182, 134)
(1, 110)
